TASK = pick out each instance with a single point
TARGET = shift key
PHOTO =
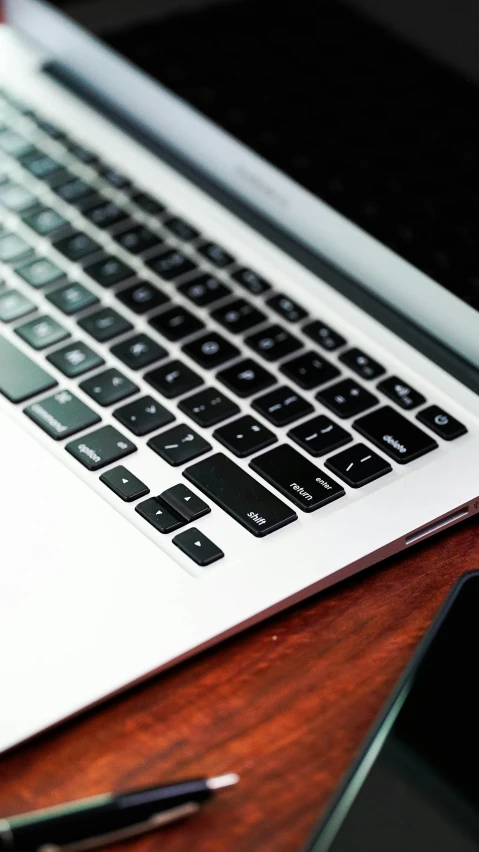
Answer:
(20, 377)
(240, 495)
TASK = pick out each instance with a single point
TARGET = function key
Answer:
(210, 350)
(142, 297)
(179, 445)
(173, 379)
(15, 197)
(62, 415)
(208, 407)
(107, 214)
(246, 378)
(12, 247)
(104, 446)
(76, 246)
(198, 547)
(148, 204)
(245, 436)
(320, 436)
(309, 370)
(139, 351)
(45, 221)
(74, 191)
(397, 437)
(72, 298)
(40, 165)
(14, 305)
(238, 316)
(171, 264)
(273, 342)
(176, 323)
(251, 281)
(204, 290)
(20, 378)
(105, 324)
(108, 387)
(285, 307)
(159, 516)
(75, 359)
(114, 178)
(282, 405)
(358, 465)
(181, 229)
(297, 478)
(401, 393)
(138, 240)
(185, 502)
(40, 272)
(109, 271)
(216, 255)
(124, 484)
(42, 332)
(362, 364)
(324, 335)
(442, 423)
(143, 416)
(346, 398)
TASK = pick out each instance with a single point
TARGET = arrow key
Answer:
(159, 516)
(124, 484)
(198, 547)
(185, 502)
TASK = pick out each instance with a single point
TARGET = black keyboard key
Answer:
(297, 478)
(397, 437)
(286, 308)
(81, 153)
(139, 351)
(309, 370)
(324, 335)
(181, 229)
(138, 239)
(442, 423)
(40, 165)
(74, 191)
(104, 446)
(40, 272)
(176, 323)
(246, 378)
(204, 290)
(148, 204)
(208, 407)
(401, 393)
(15, 197)
(14, 305)
(109, 387)
(12, 247)
(362, 364)
(45, 221)
(20, 378)
(240, 495)
(245, 436)
(114, 178)
(49, 128)
(159, 516)
(142, 297)
(216, 255)
(173, 379)
(238, 316)
(358, 465)
(62, 415)
(76, 246)
(143, 416)
(346, 398)
(42, 332)
(105, 215)
(105, 324)
(171, 264)
(273, 342)
(179, 445)
(282, 405)
(198, 547)
(185, 502)
(109, 271)
(251, 281)
(75, 359)
(126, 486)
(320, 436)
(211, 350)
(72, 298)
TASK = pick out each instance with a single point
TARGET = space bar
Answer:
(20, 377)
(241, 496)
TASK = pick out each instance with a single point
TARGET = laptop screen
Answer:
(373, 107)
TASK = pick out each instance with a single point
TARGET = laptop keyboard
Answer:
(229, 321)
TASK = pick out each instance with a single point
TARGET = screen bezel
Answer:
(250, 177)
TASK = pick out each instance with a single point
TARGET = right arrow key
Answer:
(198, 547)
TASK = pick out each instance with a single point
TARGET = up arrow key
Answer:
(198, 543)
(125, 481)
(185, 503)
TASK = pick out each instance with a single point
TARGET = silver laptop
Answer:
(239, 328)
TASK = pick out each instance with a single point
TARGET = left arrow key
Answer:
(124, 484)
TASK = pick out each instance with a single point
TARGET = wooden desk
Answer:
(285, 705)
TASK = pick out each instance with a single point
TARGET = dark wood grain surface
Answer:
(285, 705)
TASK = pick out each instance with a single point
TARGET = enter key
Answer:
(297, 478)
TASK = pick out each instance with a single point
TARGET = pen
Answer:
(100, 820)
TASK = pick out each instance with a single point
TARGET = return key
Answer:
(297, 478)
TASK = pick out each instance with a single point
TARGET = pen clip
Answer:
(151, 824)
